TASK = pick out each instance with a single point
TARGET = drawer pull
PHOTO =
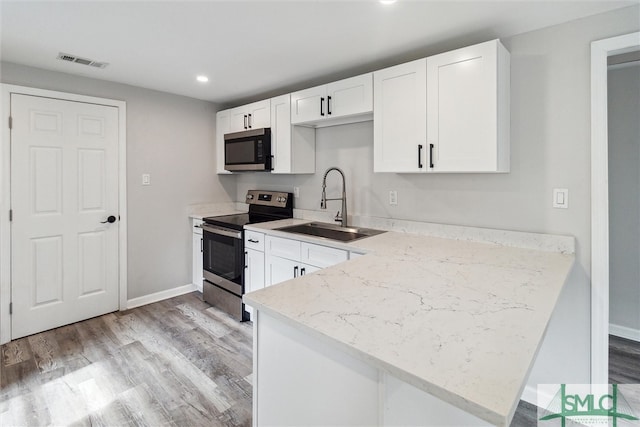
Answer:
(253, 241)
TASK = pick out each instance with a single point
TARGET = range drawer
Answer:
(254, 240)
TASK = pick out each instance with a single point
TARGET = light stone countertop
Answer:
(460, 320)
(215, 209)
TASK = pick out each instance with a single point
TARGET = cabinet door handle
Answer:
(322, 106)
(328, 105)
(303, 271)
(201, 245)
(295, 271)
(431, 156)
(420, 156)
(249, 121)
(253, 241)
(245, 121)
(246, 260)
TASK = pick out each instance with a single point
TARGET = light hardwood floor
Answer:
(178, 362)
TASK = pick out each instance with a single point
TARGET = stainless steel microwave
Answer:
(248, 150)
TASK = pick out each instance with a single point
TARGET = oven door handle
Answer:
(222, 231)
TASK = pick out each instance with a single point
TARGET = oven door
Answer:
(223, 269)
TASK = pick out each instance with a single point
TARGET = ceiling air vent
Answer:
(83, 61)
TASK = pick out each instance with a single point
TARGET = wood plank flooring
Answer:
(178, 362)
(624, 361)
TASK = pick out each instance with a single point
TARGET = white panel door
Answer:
(254, 274)
(280, 270)
(400, 118)
(64, 184)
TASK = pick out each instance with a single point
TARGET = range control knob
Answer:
(249, 196)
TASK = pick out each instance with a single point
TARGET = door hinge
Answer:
(10, 122)
(10, 308)
(10, 215)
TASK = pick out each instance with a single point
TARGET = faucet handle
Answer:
(338, 217)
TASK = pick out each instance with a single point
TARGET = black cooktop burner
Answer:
(237, 221)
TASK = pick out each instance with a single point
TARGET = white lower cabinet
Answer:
(286, 259)
(196, 272)
(254, 264)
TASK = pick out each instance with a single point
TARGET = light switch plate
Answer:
(561, 198)
(296, 192)
(146, 179)
(393, 198)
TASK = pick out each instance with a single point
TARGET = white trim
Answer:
(5, 192)
(624, 332)
(160, 296)
(600, 50)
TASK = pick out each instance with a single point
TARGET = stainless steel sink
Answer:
(331, 231)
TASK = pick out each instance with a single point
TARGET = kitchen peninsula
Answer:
(421, 330)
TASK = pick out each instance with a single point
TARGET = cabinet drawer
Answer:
(253, 240)
(285, 248)
(196, 226)
(322, 256)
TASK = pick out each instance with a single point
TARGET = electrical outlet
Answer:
(296, 192)
(393, 198)
(146, 179)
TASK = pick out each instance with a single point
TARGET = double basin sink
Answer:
(331, 232)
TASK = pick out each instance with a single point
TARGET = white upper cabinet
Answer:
(293, 147)
(468, 109)
(400, 118)
(222, 127)
(345, 101)
(445, 113)
(251, 116)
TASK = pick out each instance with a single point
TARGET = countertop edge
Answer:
(436, 391)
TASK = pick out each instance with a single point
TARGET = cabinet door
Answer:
(196, 273)
(281, 134)
(254, 273)
(280, 269)
(238, 119)
(463, 92)
(400, 118)
(307, 269)
(259, 114)
(350, 96)
(309, 105)
(222, 127)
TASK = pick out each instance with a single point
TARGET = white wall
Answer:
(173, 139)
(624, 196)
(550, 146)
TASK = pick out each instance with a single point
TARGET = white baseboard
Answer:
(162, 295)
(624, 332)
(530, 394)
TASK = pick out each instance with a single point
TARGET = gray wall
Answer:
(550, 143)
(624, 196)
(173, 139)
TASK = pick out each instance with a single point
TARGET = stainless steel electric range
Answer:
(223, 249)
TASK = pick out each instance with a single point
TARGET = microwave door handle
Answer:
(249, 121)
(245, 121)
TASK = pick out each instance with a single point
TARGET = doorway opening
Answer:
(600, 216)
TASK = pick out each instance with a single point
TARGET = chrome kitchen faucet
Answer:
(340, 216)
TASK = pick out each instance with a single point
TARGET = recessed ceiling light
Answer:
(387, 1)
(202, 79)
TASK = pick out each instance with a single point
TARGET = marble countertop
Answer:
(214, 209)
(460, 320)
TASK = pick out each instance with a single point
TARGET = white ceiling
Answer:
(253, 48)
